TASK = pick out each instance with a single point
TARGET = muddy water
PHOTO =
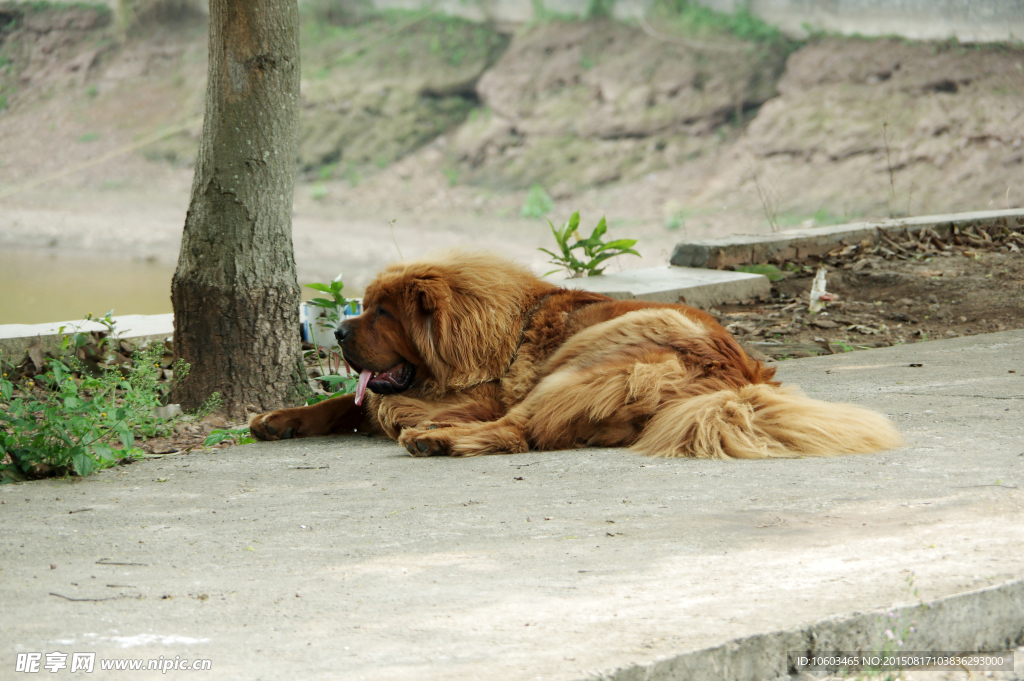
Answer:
(38, 286)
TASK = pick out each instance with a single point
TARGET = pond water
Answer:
(38, 287)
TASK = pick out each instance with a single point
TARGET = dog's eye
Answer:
(382, 311)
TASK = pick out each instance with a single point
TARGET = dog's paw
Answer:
(273, 426)
(428, 441)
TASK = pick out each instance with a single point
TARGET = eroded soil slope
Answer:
(435, 121)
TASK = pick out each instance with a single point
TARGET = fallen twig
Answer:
(92, 600)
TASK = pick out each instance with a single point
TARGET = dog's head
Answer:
(442, 323)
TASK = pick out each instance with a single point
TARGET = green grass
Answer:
(89, 137)
(42, 6)
(699, 21)
(538, 203)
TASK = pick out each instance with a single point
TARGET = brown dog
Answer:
(470, 354)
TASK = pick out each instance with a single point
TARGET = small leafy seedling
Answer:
(338, 302)
(595, 251)
(772, 272)
(240, 436)
(538, 203)
(337, 306)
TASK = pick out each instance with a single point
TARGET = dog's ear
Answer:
(433, 293)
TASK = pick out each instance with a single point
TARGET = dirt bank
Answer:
(441, 124)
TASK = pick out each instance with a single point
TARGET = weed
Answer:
(771, 271)
(92, 91)
(886, 137)
(353, 177)
(696, 20)
(318, 192)
(239, 436)
(595, 250)
(89, 137)
(452, 175)
(767, 192)
(326, 171)
(600, 9)
(538, 203)
(337, 306)
(675, 217)
(543, 15)
(843, 345)
(3, 102)
(71, 418)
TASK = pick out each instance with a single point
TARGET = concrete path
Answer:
(343, 558)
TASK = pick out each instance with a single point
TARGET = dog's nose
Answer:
(343, 331)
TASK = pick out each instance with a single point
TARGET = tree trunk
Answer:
(235, 294)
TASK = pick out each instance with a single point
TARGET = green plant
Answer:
(326, 171)
(675, 220)
(452, 174)
(538, 203)
(696, 20)
(89, 137)
(600, 9)
(336, 306)
(337, 303)
(594, 249)
(70, 418)
(239, 436)
(771, 271)
(92, 91)
(318, 192)
(352, 176)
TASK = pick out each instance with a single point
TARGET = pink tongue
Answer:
(364, 377)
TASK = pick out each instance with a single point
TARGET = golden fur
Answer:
(504, 362)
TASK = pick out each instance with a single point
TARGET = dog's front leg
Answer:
(334, 416)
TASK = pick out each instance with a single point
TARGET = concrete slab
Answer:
(16, 339)
(691, 285)
(345, 558)
(798, 243)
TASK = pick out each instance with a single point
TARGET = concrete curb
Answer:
(693, 286)
(987, 620)
(16, 339)
(799, 243)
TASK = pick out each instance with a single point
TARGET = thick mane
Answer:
(466, 310)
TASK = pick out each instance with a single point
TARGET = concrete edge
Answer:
(697, 287)
(17, 339)
(799, 243)
(987, 620)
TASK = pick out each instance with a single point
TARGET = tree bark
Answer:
(235, 294)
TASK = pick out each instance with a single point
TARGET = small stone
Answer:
(168, 411)
(215, 421)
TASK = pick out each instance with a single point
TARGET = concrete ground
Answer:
(345, 558)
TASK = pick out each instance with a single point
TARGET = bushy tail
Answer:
(763, 421)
